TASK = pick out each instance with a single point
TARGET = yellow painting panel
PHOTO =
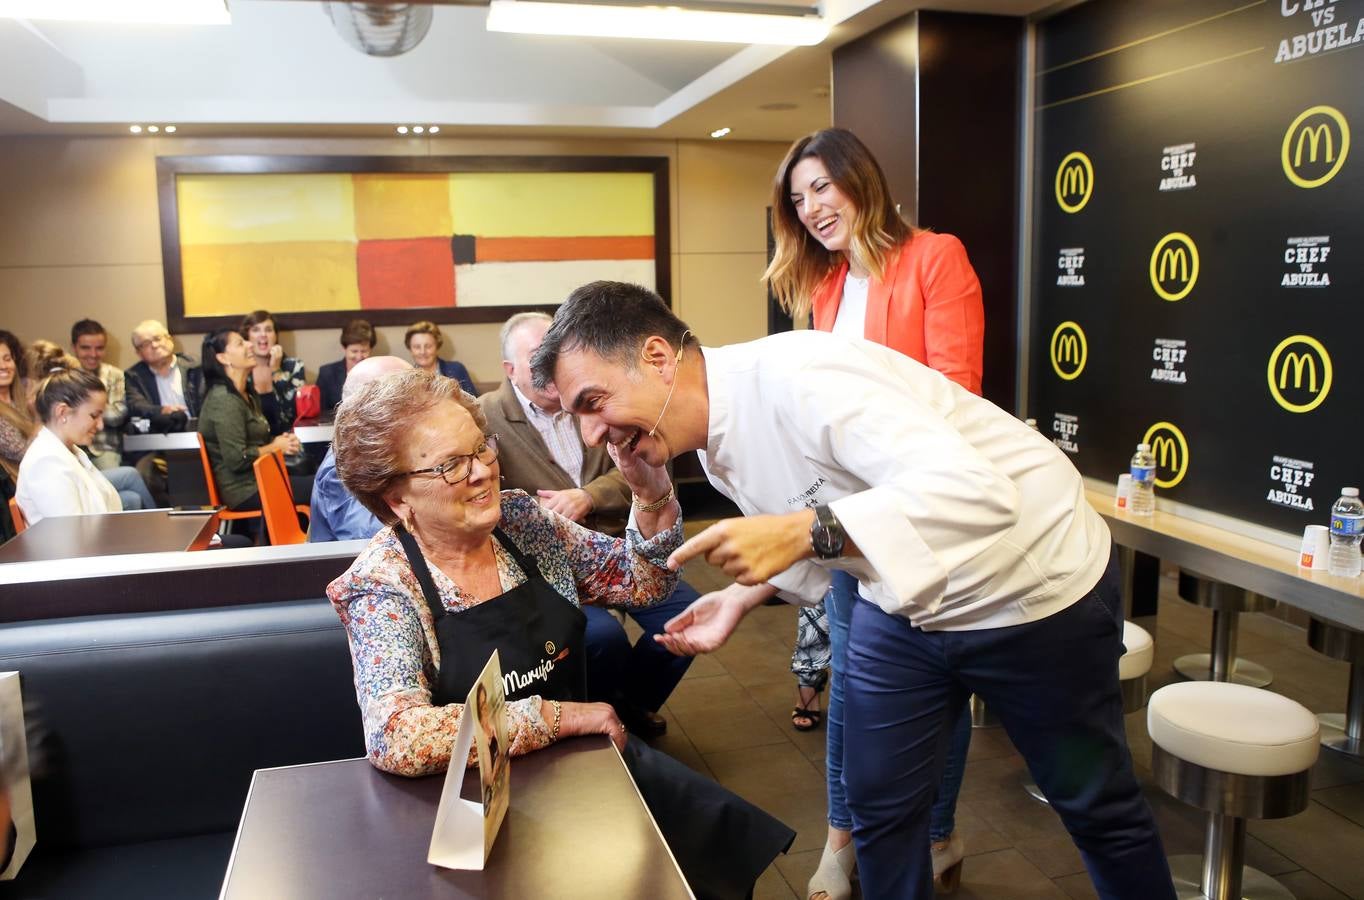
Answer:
(402, 206)
(283, 277)
(239, 209)
(552, 204)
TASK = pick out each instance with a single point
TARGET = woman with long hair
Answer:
(236, 432)
(846, 256)
(17, 426)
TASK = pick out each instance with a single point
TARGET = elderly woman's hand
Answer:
(648, 482)
(588, 718)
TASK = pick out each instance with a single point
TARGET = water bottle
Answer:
(1347, 527)
(1143, 499)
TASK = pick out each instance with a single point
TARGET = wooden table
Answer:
(110, 534)
(1236, 559)
(576, 828)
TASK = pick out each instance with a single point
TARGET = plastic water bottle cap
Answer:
(1143, 446)
(1349, 492)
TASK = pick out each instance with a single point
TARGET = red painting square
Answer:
(405, 274)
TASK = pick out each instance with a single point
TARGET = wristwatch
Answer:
(826, 534)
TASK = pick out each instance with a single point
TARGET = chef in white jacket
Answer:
(976, 554)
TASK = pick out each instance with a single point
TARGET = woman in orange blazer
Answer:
(844, 254)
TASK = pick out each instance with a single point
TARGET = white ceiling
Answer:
(281, 68)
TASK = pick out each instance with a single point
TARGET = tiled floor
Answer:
(730, 718)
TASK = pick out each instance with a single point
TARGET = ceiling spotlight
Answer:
(417, 129)
(402, 129)
(170, 129)
(153, 129)
(135, 129)
(434, 129)
(719, 132)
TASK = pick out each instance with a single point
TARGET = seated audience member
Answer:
(17, 426)
(13, 372)
(56, 477)
(424, 340)
(275, 377)
(541, 452)
(462, 569)
(357, 340)
(88, 342)
(166, 388)
(235, 431)
(335, 514)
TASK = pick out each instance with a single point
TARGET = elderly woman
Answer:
(462, 569)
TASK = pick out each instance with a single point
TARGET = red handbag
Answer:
(307, 403)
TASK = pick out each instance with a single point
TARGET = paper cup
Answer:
(1316, 543)
(1124, 489)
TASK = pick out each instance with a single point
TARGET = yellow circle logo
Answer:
(1069, 350)
(1299, 373)
(1315, 146)
(1174, 266)
(1074, 182)
(549, 647)
(1171, 452)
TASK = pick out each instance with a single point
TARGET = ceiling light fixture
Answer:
(434, 129)
(719, 132)
(170, 129)
(417, 129)
(135, 129)
(141, 12)
(795, 29)
(402, 129)
(152, 129)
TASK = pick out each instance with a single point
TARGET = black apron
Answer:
(721, 842)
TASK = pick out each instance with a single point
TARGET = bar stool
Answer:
(1343, 733)
(1227, 602)
(1238, 752)
(1133, 665)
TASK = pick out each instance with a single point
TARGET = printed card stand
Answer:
(14, 772)
(465, 829)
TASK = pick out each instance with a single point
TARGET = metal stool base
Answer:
(1198, 667)
(1255, 885)
(1334, 736)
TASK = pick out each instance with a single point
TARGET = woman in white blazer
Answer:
(56, 477)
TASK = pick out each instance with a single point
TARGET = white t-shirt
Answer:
(851, 320)
(965, 517)
(171, 387)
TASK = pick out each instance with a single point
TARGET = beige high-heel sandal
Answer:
(833, 878)
(947, 859)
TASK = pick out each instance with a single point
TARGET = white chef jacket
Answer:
(966, 518)
(54, 481)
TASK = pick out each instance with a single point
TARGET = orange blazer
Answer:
(928, 307)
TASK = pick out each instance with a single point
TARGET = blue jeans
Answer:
(1053, 683)
(132, 490)
(641, 676)
(942, 819)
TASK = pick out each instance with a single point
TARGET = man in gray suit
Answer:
(541, 452)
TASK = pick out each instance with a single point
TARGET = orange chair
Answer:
(277, 500)
(224, 514)
(17, 516)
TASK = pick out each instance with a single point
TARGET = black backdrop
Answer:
(1186, 114)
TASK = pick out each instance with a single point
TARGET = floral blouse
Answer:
(393, 641)
(279, 405)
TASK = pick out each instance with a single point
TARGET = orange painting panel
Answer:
(405, 274)
(553, 249)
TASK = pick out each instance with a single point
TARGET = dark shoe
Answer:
(644, 724)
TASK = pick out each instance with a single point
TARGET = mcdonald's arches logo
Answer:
(1315, 146)
(1074, 182)
(1069, 350)
(1299, 373)
(1171, 452)
(1174, 266)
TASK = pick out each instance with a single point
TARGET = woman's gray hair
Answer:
(372, 426)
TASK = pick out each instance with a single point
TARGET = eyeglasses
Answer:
(457, 468)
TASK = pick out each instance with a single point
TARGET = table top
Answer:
(315, 432)
(576, 828)
(110, 534)
(1236, 559)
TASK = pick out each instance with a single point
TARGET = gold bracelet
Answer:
(554, 729)
(656, 505)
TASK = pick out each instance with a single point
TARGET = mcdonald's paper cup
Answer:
(1316, 543)
(1124, 489)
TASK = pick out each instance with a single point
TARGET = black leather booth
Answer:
(149, 726)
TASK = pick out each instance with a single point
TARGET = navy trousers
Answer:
(1053, 683)
(642, 675)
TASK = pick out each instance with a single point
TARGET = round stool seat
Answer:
(1138, 651)
(1233, 728)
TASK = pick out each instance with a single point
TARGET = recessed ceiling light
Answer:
(402, 129)
(170, 129)
(660, 22)
(143, 12)
(434, 129)
(719, 132)
(135, 129)
(153, 129)
(417, 129)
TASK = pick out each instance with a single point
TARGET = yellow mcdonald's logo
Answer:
(1074, 182)
(1069, 350)
(1322, 135)
(1175, 258)
(1171, 451)
(1299, 355)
